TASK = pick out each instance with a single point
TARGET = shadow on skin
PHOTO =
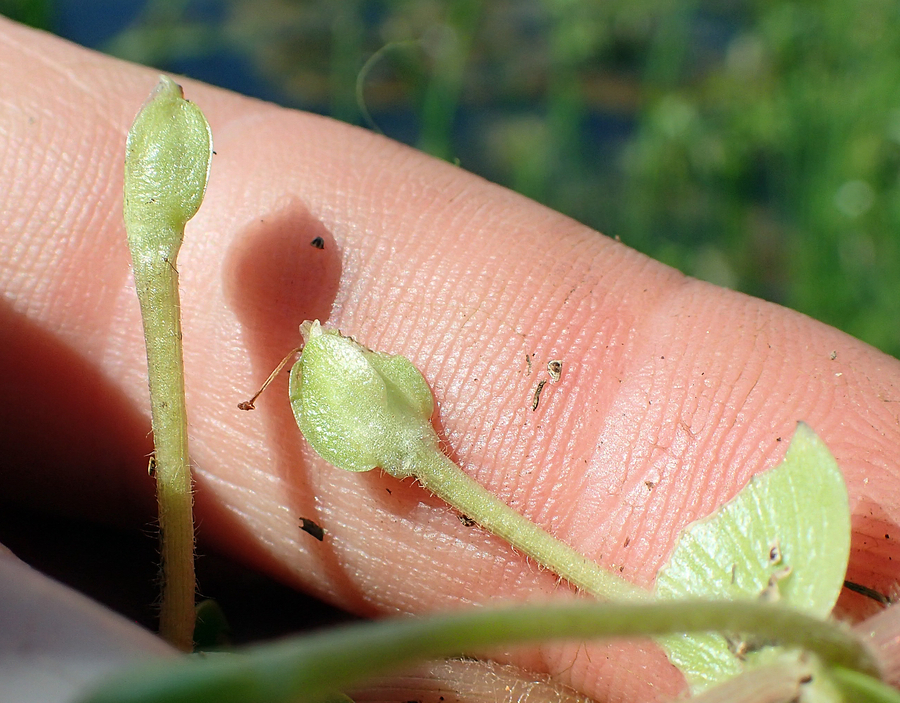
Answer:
(61, 419)
(284, 268)
(871, 525)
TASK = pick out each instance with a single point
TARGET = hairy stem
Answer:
(451, 484)
(313, 667)
(157, 286)
(857, 687)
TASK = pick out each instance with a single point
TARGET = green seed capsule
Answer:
(357, 408)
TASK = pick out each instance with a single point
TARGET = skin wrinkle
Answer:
(31, 250)
(563, 450)
(624, 511)
(458, 212)
(810, 403)
(576, 355)
(682, 446)
(677, 423)
(442, 530)
(550, 334)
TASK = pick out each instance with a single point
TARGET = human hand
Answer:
(673, 392)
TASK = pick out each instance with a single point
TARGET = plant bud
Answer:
(357, 408)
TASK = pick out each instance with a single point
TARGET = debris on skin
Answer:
(318, 243)
(537, 394)
(870, 593)
(554, 368)
(311, 527)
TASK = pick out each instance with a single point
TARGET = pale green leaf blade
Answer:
(795, 516)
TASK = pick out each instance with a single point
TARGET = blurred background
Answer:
(754, 144)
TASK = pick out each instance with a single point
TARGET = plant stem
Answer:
(436, 472)
(157, 286)
(312, 667)
(860, 688)
(166, 170)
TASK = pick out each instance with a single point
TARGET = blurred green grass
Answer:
(752, 144)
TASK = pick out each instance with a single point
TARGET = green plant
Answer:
(361, 409)
(167, 160)
(784, 538)
(311, 668)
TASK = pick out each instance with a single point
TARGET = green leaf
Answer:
(785, 537)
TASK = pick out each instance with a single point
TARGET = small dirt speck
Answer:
(311, 527)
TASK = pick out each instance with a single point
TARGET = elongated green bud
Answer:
(167, 161)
